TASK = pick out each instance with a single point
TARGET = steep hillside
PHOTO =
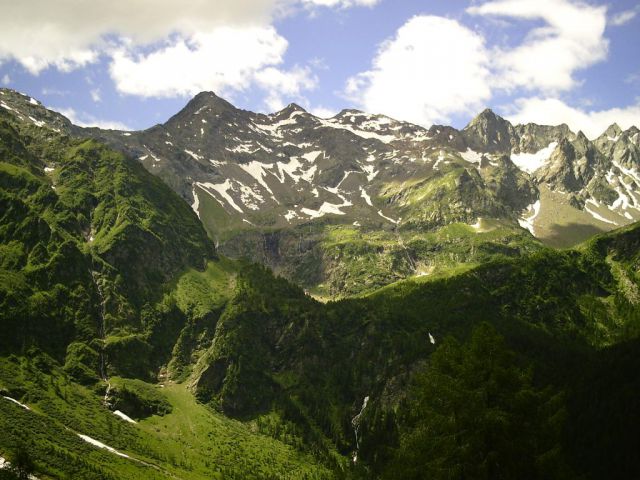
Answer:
(276, 188)
(107, 281)
(116, 309)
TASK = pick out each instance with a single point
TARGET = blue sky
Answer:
(135, 63)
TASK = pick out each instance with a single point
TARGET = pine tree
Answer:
(474, 414)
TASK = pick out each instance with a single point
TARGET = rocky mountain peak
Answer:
(613, 130)
(490, 132)
(289, 110)
(207, 102)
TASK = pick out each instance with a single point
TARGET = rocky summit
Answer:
(323, 201)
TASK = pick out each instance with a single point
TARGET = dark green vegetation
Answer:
(521, 363)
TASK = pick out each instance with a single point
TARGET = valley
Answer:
(480, 284)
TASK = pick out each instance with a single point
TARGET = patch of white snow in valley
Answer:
(243, 148)
(441, 158)
(326, 208)
(196, 201)
(257, 170)
(7, 107)
(250, 198)
(295, 170)
(311, 156)
(33, 101)
(290, 215)
(151, 153)
(596, 215)
(143, 157)
(527, 222)
(361, 133)
(387, 218)
(222, 189)
(38, 123)
(16, 402)
(471, 156)
(366, 196)
(629, 172)
(431, 339)
(530, 162)
(370, 170)
(48, 169)
(98, 444)
(124, 416)
(193, 155)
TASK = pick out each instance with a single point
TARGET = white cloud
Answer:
(68, 34)
(341, 3)
(323, 112)
(622, 18)
(572, 39)
(6, 79)
(551, 111)
(432, 68)
(280, 84)
(223, 60)
(224, 45)
(86, 120)
(95, 95)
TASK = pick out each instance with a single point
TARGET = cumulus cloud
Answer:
(86, 120)
(571, 39)
(433, 67)
(436, 67)
(552, 111)
(341, 3)
(217, 61)
(622, 18)
(280, 83)
(67, 34)
(224, 45)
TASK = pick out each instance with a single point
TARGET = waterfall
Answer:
(103, 334)
(355, 422)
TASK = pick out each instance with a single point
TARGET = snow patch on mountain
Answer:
(528, 221)
(530, 162)
(595, 214)
(196, 201)
(327, 208)
(221, 189)
(471, 156)
(388, 218)
(13, 400)
(366, 196)
(101, 445)
(124, 416)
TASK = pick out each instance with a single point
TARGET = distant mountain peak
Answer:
(290, 110)
(613, 130)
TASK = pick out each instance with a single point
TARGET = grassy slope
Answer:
(192, 442)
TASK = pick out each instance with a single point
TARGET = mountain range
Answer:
(347, 204)
(145, 334)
